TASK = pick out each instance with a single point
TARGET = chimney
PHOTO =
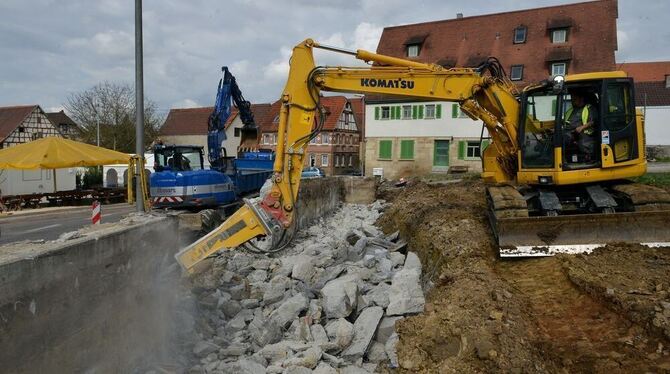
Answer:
(459, 15)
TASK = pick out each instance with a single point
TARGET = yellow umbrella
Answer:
(54, 153)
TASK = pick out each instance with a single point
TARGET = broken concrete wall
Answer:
(102, 303)
(359, 190)
(318, 197)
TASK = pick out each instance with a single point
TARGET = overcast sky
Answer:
(52, 48)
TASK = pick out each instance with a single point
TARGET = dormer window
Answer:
(559, 35)
(520, 34)
(667, 81)
(413, 45)
(413, 50)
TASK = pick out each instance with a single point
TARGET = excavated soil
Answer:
(604, 312)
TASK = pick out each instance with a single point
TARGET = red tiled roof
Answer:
(590, 45)
(358, 107)
(652, 94)
(193, 121)
(11, 117)
(646, 71)
(333, 105)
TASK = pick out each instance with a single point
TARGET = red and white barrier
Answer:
(96, 214)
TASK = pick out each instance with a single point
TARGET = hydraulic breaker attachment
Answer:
(245, 224)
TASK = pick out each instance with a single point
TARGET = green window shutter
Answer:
(461, 149)
(420, 111)
(485, 144)
(438, 111)
(553, 107)
(391, 113)
(397, 112)
(454, 110)
(414, 111)
(376, 112)
(407, 149)
(385, 149)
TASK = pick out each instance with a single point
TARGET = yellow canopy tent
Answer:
(55, 153)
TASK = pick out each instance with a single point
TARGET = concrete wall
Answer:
(320, 196)
(99, 304)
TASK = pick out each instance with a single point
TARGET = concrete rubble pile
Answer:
(328, 304)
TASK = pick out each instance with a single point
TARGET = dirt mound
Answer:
(541, 315)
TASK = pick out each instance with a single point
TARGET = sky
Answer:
(50, 49)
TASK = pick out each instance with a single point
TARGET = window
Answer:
(456, 112)
(276, 120)
(472, 150)
(22, 129)
(312, 159)
(237, 132)
(559, 35)
(325, 138)
(337, 161)
(430, 111)
(406, 112)
(516, 73)
(558, 68)
(407, 149)
(324, 160)
(351, 159)
(386, 112)
(520, 34)
(667, 81)
(39, 120)
(413, 50)
(385, 149)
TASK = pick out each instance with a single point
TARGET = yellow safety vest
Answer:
(585, 118)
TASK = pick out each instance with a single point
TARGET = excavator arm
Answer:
(487, 97)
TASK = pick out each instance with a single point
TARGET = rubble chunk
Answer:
(405, 294)
(289, 310)
(204, 348)
(339, 296)
(364, 329)
(341, 332)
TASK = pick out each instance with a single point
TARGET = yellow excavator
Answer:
(546, 195)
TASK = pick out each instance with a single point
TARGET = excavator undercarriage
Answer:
(531, 222)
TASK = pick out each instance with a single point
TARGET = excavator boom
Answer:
(484, 93)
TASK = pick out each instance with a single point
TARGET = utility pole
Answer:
(139, 106)
(97, 123)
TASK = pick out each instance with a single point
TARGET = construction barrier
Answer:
(96, 213)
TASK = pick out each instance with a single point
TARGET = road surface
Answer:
(50, 224)
(658, 167)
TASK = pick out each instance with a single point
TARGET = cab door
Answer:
(619, 129)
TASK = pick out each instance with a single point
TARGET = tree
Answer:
(113, 105)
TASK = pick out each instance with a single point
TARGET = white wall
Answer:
(120, 169)
(445, 126)
(23, 182)
(657, 125)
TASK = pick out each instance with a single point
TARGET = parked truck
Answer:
(181, 181)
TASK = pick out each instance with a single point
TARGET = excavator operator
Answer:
(581, 121)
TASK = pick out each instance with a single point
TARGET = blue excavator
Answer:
(180, 180)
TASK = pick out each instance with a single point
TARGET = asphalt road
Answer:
(50, 224)
(658, 167)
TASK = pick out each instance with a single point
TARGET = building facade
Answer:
(405, 138)
(336, 149)
(652, 96)
(22, 124)
(65, 125)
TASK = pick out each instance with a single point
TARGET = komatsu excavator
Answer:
(544, 195)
